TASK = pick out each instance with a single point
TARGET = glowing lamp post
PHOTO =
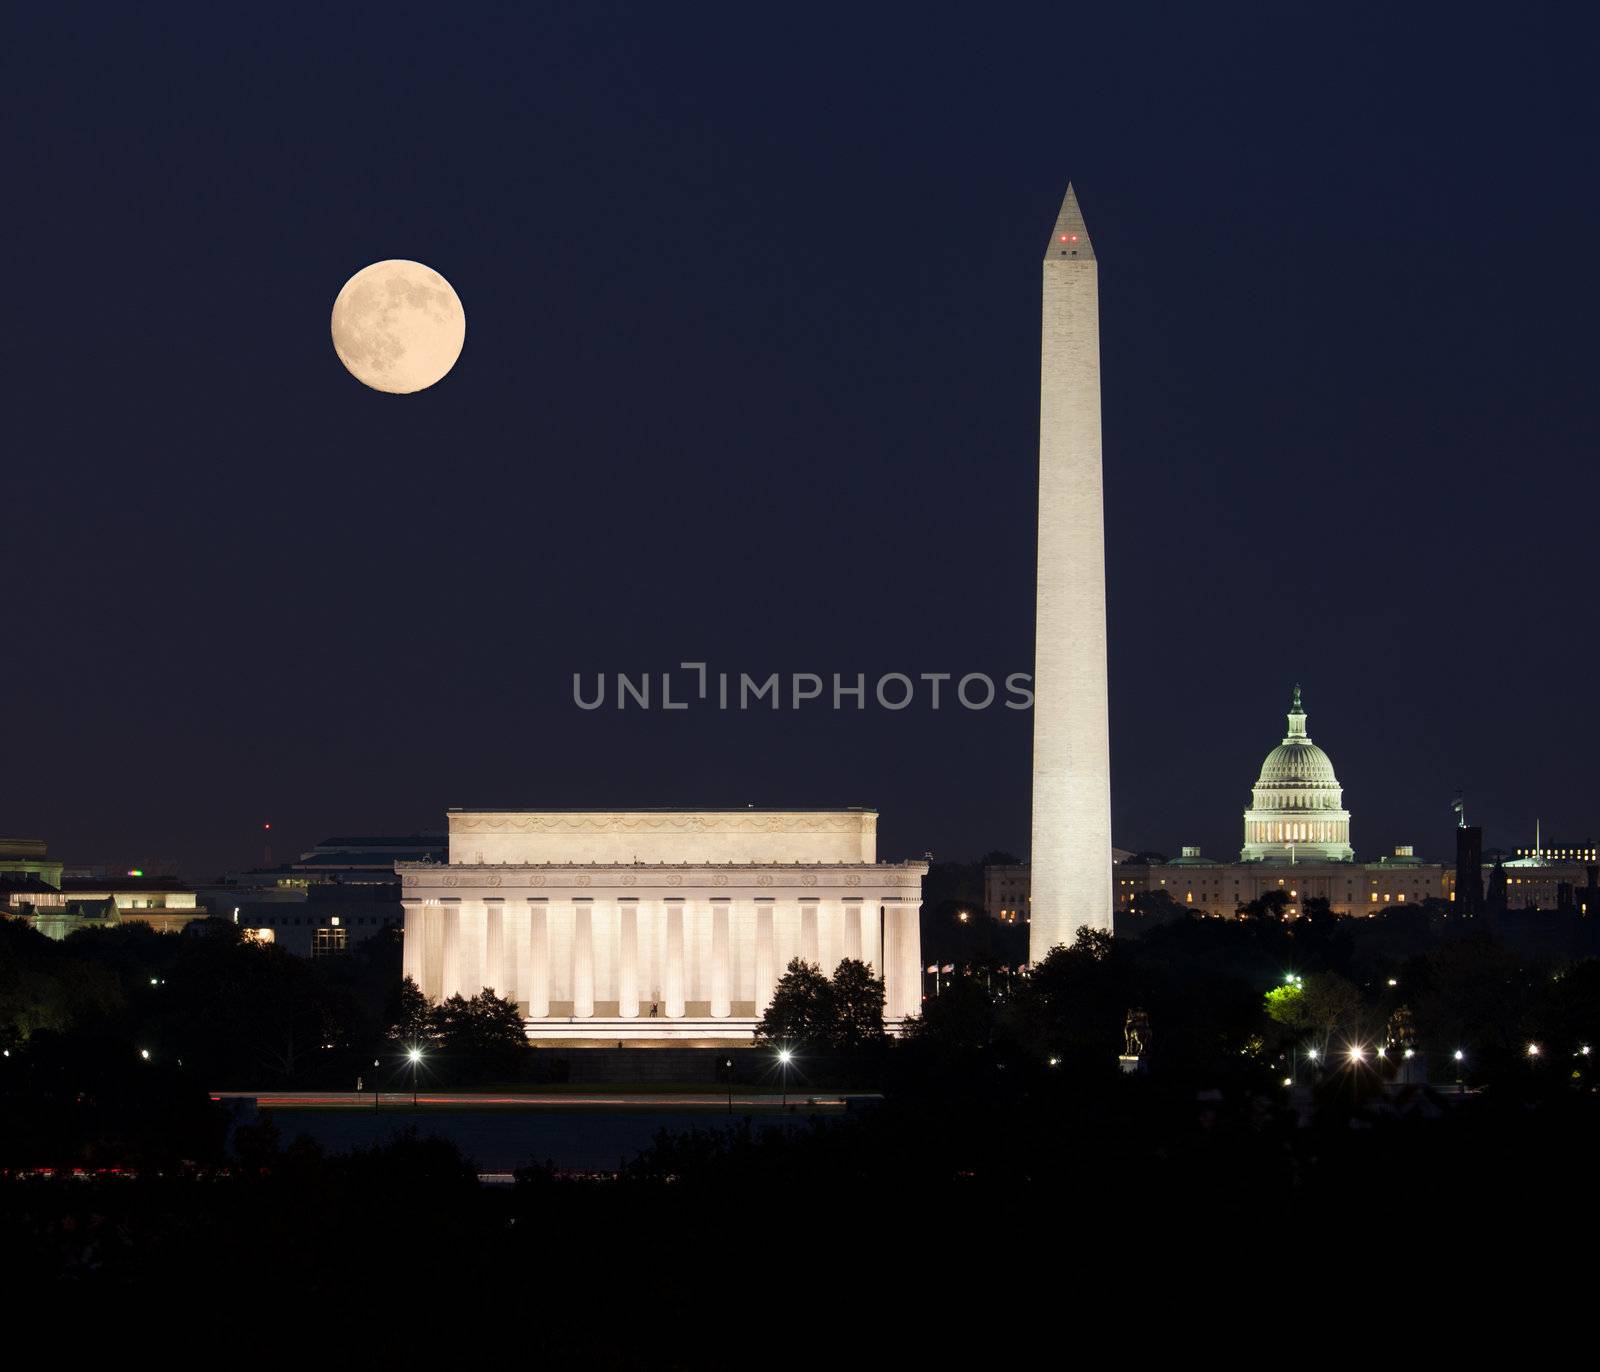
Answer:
(784, 1059)
(416, 1062)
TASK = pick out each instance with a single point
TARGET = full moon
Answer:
(398, 326)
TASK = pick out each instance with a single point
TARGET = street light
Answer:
(1533, 1050)
(416, 1062)
(784, 1056)
(1460, 1057)
(145, 1054)
(1357, 1052)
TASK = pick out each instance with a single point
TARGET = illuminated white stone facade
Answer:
(1297, 809)
(654, 926)
(1071, 868)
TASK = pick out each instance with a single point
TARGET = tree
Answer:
(961, 1016)
(1159, 904)
(1075, 1001)
(801, 1009)
(1268, 905)
(856, 1006)
(408, 1016)
(1323, 1002)
(483, 1036)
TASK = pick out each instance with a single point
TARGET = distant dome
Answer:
(1297, 806)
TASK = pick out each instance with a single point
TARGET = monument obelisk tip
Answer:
(1070, 238)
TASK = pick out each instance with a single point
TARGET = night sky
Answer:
(751, 377)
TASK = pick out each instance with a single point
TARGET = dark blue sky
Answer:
(751, 377)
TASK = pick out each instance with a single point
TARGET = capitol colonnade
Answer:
(659, 950)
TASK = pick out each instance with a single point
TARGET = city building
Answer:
(343, 861)
(645, 927)
(1350, 888)
(25, 859)
(1561, 876)
(1005, 889)
(332, 897)
(164, 903)
(323, 921)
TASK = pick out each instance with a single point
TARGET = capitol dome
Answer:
(1297, 806)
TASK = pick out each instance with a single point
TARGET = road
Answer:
(458, 1100)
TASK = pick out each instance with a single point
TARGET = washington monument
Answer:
(1071, 878)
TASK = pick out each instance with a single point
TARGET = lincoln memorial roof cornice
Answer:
(626, 876)
(760, 822)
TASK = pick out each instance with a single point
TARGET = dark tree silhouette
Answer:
(857, 1006)
(801, 1010)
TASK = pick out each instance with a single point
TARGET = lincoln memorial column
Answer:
(872, 935)
(765, 979)
(903, 959)
(538, 959)
(850, 915)
(891, 962)
(472, 946)
(810, 951)
(672, 969)
(450, 948)
(628, 958)
(721, 970)
(583, 958)
(413, 947)
(432, 950)
(494, 940)
(516, 938)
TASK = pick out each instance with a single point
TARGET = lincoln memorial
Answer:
(654, 926)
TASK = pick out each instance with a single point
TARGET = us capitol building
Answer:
(645, 927)
(1296, 840)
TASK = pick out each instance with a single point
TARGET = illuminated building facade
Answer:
(1297, 805)
(165, 904)
(26, 859)
(645, 927)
